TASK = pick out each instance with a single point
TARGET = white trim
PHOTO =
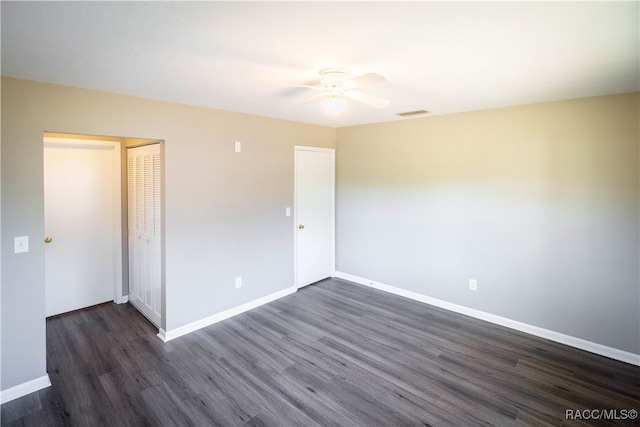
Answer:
(207, 321)
(115, 148)
(24, 389)
(603, 350)
(331, 151)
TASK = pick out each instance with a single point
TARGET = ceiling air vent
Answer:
(412, 113)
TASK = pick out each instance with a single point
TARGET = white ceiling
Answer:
(445, 57)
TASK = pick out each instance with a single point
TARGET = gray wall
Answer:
(224, 212)
(538, 203)
(23, 304)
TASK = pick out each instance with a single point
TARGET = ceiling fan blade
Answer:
(305, 86)
(363, 80)
(367, 99)
(313, 98)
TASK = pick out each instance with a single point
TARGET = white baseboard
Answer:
(603, 350)
(194, 326)
(24, 389)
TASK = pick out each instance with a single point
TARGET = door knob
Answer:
(301, 226)
(48, 239)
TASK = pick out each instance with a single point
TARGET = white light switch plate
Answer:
(20, 244)
(237, 146)
(287, 212)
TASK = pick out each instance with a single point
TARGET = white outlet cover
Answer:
(473, 284)
(20, 244)
(237, 146)
(238, 282)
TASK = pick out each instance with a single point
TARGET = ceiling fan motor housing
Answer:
(333, 76)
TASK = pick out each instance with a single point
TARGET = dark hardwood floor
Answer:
(332, 354)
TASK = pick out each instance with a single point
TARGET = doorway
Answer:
(314, 214)
(83, 251)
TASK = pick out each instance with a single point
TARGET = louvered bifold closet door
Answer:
(144, 204)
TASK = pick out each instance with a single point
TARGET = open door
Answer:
(83, 255)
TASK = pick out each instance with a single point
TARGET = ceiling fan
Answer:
(337, 84)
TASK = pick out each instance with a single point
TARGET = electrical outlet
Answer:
(473, 284)
(238, 282)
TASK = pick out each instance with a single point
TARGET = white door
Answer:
(144, 207)
(314, 214)
(83, 264)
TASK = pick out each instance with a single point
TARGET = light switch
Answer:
(20, 244)
(287, 212)
(238, 146)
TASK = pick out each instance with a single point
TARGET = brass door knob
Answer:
(301, 226)
(48, 239)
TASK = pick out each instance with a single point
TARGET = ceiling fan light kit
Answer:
(334, 105)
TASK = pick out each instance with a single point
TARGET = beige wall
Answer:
(538, 203)
(224, 211)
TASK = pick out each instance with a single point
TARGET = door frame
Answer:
(331, 151)
(116, 224)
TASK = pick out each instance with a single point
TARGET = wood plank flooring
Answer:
(332, 354)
